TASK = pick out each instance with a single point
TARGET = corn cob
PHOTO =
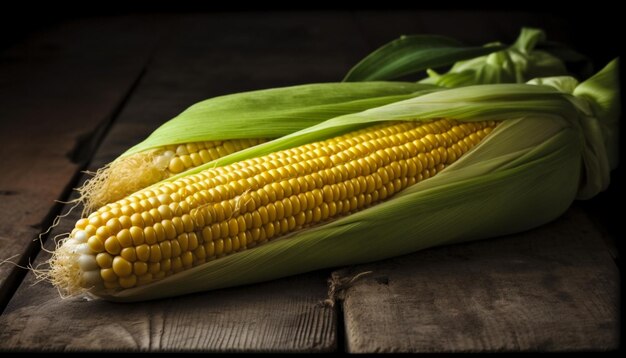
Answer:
(554, 141)
(177, 225)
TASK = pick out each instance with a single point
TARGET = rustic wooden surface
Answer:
(548, 289)
(58, 93)
(98, 92)
(278, 316)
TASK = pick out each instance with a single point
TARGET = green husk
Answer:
(276, 112)
(412, 54)
(526, 173)
(516, 64)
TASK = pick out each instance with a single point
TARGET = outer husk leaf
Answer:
(412, 54)
(516, 64)
(273, 113)
(526, 173)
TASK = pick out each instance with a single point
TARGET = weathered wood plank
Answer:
(56, 90)
(281, 315)
(226, 53)
(554, 288)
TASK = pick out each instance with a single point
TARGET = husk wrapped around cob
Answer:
(555, 141)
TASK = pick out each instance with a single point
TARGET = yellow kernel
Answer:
(108, 275)
(219, 247)
(95, 220)
(207, 234)
(129, 254)
(128, 282)
(271, 212)
(143, 252)
(122, 267)
(140, 268)
(199, 252)
(170, 230)
(149, 235)
(166, 265)
(233, 227)
(187, 223)
(159, 231)
(195, 159)
(175, 248)
(295, 204)
(187, 259)
(136, 233)
(183, 242)
(177, 264)
(154, 267)
(104, 260)
(124, 238)
(204, 155)
(155, 253)
(137, 220)
(209, 249)
(263, 214)
(95, 244)
(82, 223)
(284, 225)
(256, 219)
(228, 245)
(114, 225)
(269, 230)
(327, 193)
(154, 213)
(166, 249)
(165, 212)
(176, 165)
(317, 214)
(125, 221)
(112, 245)
(224, 229)
(300, 218)
(90, 230)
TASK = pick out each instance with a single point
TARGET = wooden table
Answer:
(76, 95)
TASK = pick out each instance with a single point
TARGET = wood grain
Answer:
(57, 91)
(225, 54)
(555, 288)
(278, 316)
(551, 289)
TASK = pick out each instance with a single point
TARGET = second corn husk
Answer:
(262, 114)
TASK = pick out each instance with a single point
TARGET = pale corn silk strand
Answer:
(145, 238)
